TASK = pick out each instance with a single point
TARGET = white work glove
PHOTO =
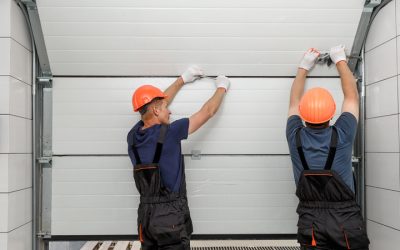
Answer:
(309, 59)
(222, 82)
(337, 54)
(192, 74)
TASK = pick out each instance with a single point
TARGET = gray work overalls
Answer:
(329, 217)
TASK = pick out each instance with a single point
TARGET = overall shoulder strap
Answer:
(160, 143)
(300, 150)
(332, 149)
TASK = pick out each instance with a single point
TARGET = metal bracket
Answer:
(45, 81)
(324, 58)
(355, 159)
(44, 235)
(372, 3)
(45, 160)
(196, 154)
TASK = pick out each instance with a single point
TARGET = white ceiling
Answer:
(162, 38)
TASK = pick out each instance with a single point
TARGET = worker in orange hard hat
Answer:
(329, 217)
(154, 147)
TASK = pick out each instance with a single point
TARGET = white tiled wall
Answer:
(15, 129)
(382, 129)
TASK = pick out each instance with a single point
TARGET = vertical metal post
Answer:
(46, 158)
(42, 103)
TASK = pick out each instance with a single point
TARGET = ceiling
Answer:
(162, 38)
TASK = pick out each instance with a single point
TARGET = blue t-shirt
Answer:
(316, 143)
(170, 160)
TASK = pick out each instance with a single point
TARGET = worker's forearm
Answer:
(212, 105)
(349, 85)
(173, 89)
(298, 85)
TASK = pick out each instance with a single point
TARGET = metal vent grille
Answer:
(245, 248)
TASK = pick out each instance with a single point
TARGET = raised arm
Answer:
(191, 74)
(297, 89)
(349, 84)
(211, 106)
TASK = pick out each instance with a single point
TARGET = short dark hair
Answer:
(145, 107)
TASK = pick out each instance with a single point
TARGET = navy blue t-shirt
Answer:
(316, 143)
(170, 160)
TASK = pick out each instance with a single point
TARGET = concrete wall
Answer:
(382, 129)
(15, 129)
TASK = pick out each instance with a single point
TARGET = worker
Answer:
(329, 217)
(154, 147)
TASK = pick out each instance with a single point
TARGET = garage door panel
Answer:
(221, 189)
(221, 214)
(93, 116)
(198, 201)
(339, 4)
(278, 226)
(94, 201)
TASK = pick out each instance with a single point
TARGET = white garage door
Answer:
(243, 183)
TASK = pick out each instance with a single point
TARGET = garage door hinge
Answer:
(196, 154)
(45, 80)
(44, 160)
(355, 159)
(44, 235)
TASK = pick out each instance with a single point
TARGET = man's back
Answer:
(170, 161)
(315, 143)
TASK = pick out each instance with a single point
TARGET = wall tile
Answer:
(19, 27)
(3, 213)
(382, 237)
(18, 239)
(15, 172)
(16, 134)
(4, 94)
(385, 18)
(20, 171)
(398, 15)
(382, 170)
(382, 134)
(381, 98)
(19, 208)
(5, 58)
(15, 97)
(20, 135)
(21, 62)
(4, 134)
(20, 98)
(5, 20)
(3, 173)
(381, 62)
(383, 206)
(21, 238)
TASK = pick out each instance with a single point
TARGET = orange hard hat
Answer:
(145, 94)
(317, 106)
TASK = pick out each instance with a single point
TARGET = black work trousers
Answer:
(165, 226)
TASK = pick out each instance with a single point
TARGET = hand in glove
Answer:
(309, 59)
(222, 82)
(192, 74)
(337, 54)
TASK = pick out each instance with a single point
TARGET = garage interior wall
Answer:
(382, 128)
(15, 129)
